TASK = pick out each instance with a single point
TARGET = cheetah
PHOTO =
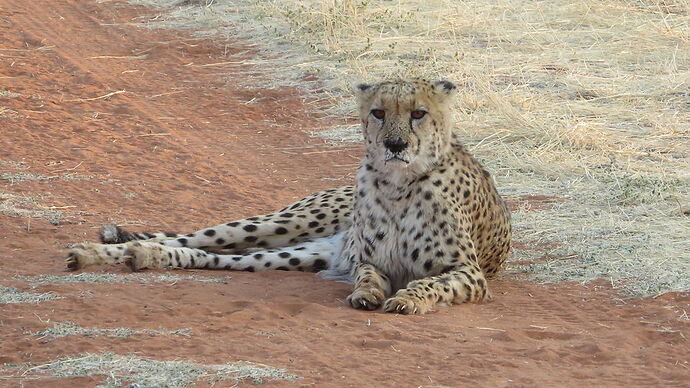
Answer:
(423, 226)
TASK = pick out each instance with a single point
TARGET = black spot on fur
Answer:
(182, 241)
(320, 264)
(281, 230)
(250, 238)
(209, 232)
(294, 261)
(233, 224)
(249, 228)
(285, 255)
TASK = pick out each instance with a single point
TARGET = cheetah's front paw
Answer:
(405, 304)
(366, 299)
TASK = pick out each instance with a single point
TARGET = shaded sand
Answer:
(181, 149)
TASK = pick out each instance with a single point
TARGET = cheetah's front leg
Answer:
(371, 288)
(463, 283)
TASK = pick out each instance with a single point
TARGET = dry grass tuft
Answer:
(584, 100)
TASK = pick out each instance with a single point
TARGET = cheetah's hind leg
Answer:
(312, 256)
(86, 254)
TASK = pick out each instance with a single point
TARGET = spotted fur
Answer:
(423, 226)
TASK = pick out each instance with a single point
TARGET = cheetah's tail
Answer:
(113, 234)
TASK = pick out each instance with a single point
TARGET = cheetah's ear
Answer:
(364, 90)
(445, 87)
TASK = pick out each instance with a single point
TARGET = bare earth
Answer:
(186, 146)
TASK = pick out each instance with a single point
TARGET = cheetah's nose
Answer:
(395, 145)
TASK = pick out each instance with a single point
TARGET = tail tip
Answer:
(111, 234)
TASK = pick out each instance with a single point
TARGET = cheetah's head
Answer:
(406, 123)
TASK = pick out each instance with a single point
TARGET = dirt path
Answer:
(178, 146)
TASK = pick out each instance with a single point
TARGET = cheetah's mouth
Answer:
(396, 158)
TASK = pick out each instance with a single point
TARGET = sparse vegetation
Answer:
(4, 93)
(13, 295)
(23, 176)
(86, 277)
(133, 371)
(583, 100)
(64, 329)
(29, 207)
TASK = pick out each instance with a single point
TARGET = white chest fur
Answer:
(402, 227)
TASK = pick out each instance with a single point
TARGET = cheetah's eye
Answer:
(378, 113)
(417, 114)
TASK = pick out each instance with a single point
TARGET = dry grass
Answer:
(104, 278)
(585, 100)
(13, 295)
(4, 93)
(135, 371)
(30, 207)
(68, 328)
(24, 176)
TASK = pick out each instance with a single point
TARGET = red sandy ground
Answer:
(183, 140)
